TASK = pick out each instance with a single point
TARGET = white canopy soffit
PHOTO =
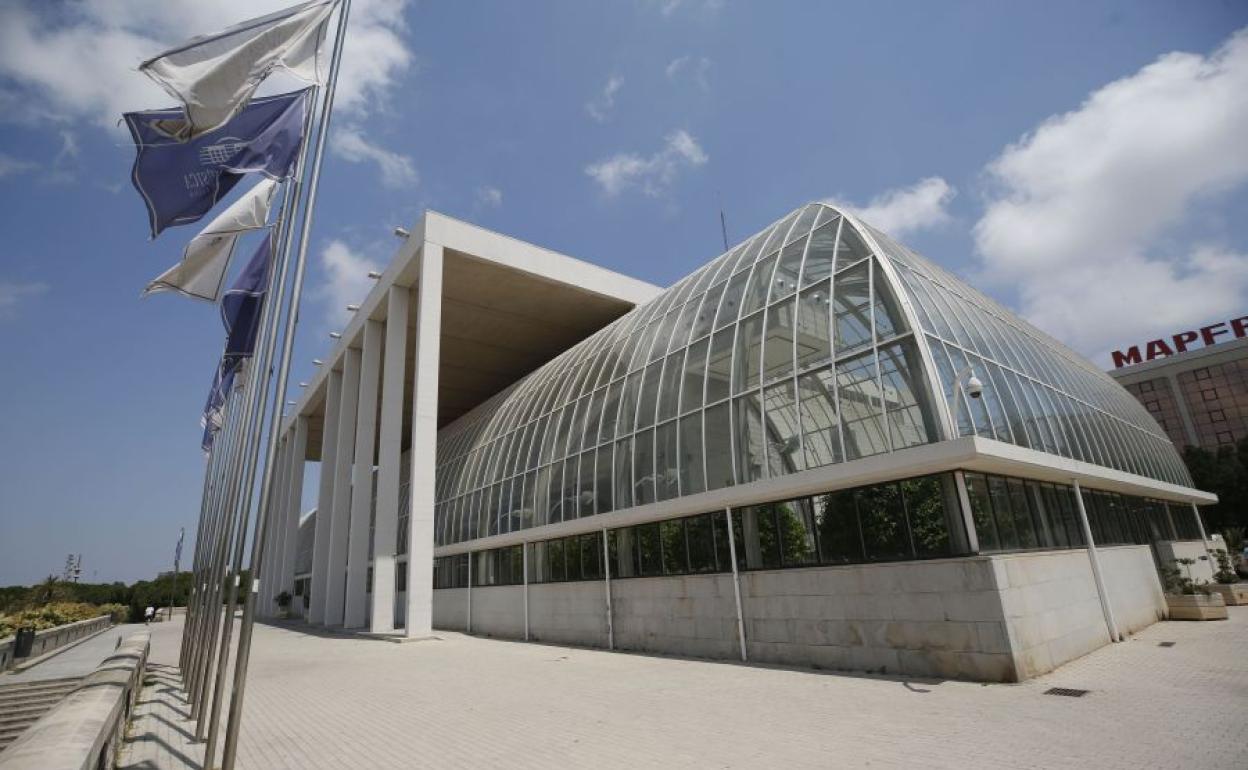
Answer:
(507, 308)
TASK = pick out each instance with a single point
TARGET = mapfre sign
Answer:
(1181, 342)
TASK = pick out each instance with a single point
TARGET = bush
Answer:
(120, 613)
(48, 616)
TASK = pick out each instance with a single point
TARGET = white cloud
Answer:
(13, 294)
(899, 211)
(1083, 202)
(489, 196)
(697, 68)
(601, 106)
(653, 174)
(397, 170)
(10, 165)
(346, 281)
(670, 7)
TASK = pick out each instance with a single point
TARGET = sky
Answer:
(1085, 163)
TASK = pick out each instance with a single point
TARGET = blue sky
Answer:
(1085, 163)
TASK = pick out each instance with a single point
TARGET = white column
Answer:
(294, 506)
(355, 614)
(325, 498)
(424, 441)
(335, 590)
(389, 449)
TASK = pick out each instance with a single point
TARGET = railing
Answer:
(85, 729)
(50, 639)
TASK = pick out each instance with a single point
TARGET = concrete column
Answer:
(355, 614)
(424, 441)
(325, 498)
(340, 512)
(389, 450)
(294, 506)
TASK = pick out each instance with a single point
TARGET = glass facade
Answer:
(1215, 397)
(794, 350)
(895, 521)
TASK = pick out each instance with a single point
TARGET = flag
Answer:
(222, 380)
(177, 552)
(213, 76)
(241, 304)
(180, 182)
(202, 270)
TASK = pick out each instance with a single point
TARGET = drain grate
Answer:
(1069, 692)
(1165, 644)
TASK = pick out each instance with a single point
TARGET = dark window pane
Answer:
(604, 479)
(572, 557)
(759, 536)
(883, 518)
(1023, 524)
(649, 552)
(999, 494)
(623, 474)
(555, 564)
(796, 531)
(591, 556)
(701, 537)
(672, 536)
(928, 502)
(723, 549)
(836, 519)
(981, 512)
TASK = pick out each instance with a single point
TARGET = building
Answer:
(818, 449)
(1200, 397)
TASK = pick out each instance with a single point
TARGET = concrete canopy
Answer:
(507, 307)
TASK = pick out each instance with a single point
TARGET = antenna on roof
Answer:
(723, 225)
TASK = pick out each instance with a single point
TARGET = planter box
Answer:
(1196, 607)
(1232, 593)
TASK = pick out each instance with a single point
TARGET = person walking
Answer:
(148, 613)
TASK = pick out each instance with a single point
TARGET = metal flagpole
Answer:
(229, 508)
(177, 558)
(209, 465)
(205, 542)
(270, 319)
(292, 321)
(230, 430)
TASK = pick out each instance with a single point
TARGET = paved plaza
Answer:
(461, 701)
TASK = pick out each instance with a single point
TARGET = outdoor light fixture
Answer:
(303, 384)
(974, 388)
(374, 274)
(335, 336)
(401, 232)
(317, 362)
(353, 308)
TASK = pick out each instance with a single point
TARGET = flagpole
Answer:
(209, 467)
(230, 430)
(230, 518)
(270, 319)
(177, 556)
(292, 321)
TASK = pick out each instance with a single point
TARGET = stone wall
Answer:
(1003, 617)
(1169, 550)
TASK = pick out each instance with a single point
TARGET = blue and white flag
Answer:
(214, 76)
(180, 182)
(241, 304)
(201, 273)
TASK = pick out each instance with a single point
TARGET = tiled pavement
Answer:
(460, 701)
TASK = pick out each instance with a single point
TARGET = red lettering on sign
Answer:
(1182, 338)
(1208, 332)
(1132, 356)
(1157, 349)
(1240, 326)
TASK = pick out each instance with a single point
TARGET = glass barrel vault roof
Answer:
(818, 340)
